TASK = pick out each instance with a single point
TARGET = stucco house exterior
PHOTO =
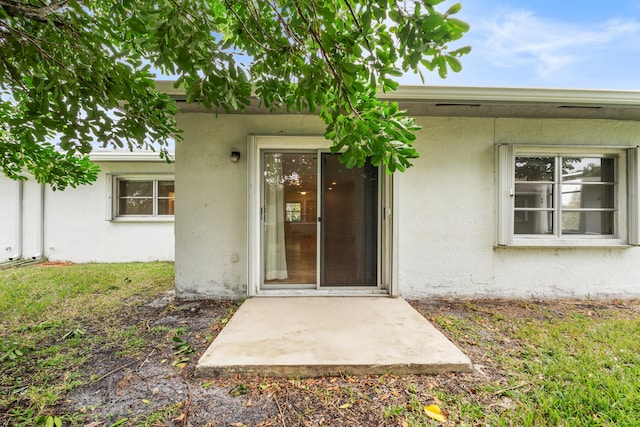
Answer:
(517, 193)
(126, 215)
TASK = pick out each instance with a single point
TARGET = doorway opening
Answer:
(319, 225)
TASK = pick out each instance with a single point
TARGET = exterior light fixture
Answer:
(235, 156)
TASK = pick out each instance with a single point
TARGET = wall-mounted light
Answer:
(235, 156)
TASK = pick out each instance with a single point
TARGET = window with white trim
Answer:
(142, 197)
(573, 196)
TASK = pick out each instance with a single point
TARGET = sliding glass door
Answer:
(349, 227)
(320, 221)
(290, 218)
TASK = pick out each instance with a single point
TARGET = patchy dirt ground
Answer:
(155, 386)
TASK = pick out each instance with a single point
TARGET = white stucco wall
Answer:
(211, 198)
(9, 246)
(447, 218)
(75, 224)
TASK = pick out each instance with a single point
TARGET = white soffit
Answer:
(122, 156)
(490, 95)
(499, 95)
(460, 101)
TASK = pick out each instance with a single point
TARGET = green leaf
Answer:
(458, 25)
(454, 64)
(350, 68)
(462, 51)
(454, 9)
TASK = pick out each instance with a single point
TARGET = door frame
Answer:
(388, 224)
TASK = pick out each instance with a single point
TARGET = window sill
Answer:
(566, 243)
(143, 219)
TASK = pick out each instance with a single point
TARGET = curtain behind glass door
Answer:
(290, 218)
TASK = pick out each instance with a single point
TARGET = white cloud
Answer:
(521, 39)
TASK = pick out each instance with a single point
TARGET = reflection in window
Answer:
(588, 193)
(137, 197)
(564, 195)
(534, 195)
(293, 212)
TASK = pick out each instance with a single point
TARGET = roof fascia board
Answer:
(535, 96)
(490, 95)
(127, 157)
(166, 86)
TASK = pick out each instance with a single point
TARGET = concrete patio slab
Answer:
(325, 336)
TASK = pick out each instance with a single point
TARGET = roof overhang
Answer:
(452, 101)
(127, 156)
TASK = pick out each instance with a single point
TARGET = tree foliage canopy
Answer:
(75, 75)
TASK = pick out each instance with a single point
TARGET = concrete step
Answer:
(328, 336)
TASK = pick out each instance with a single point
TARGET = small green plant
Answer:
(393, 411)
(239, 390)
(74, 333)
(49, 421)
(11, 354)
(181, 349)
(120, 422)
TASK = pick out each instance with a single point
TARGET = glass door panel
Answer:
(349, 224)
(290, 218)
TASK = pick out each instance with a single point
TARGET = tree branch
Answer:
(19, 9)
(325, 56)
(282, 21)
(317, 39)
(244, 27)
(355, 19)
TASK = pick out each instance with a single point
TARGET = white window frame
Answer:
(112, 195)
(626, 197)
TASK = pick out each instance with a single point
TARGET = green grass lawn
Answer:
(582, 370)
(547, 363)
(569, 366)
(42, 341)
(32, 295)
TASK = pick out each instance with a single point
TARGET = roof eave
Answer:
(126, 156)
(489, 95)
(516, 96)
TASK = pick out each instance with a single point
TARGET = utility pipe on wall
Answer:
(18, 235)
(40, 241)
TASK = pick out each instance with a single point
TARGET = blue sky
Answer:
(581, 44)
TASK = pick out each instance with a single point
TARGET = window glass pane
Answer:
(166, 206)
(136, 207)
(533, 222)
(293, 212)
(290, 247)
(588, 223)
(588, 196)
(136, 188)
(534, 168)
(166, 189)
(349, 223)
(588, 169)
(534, 196)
